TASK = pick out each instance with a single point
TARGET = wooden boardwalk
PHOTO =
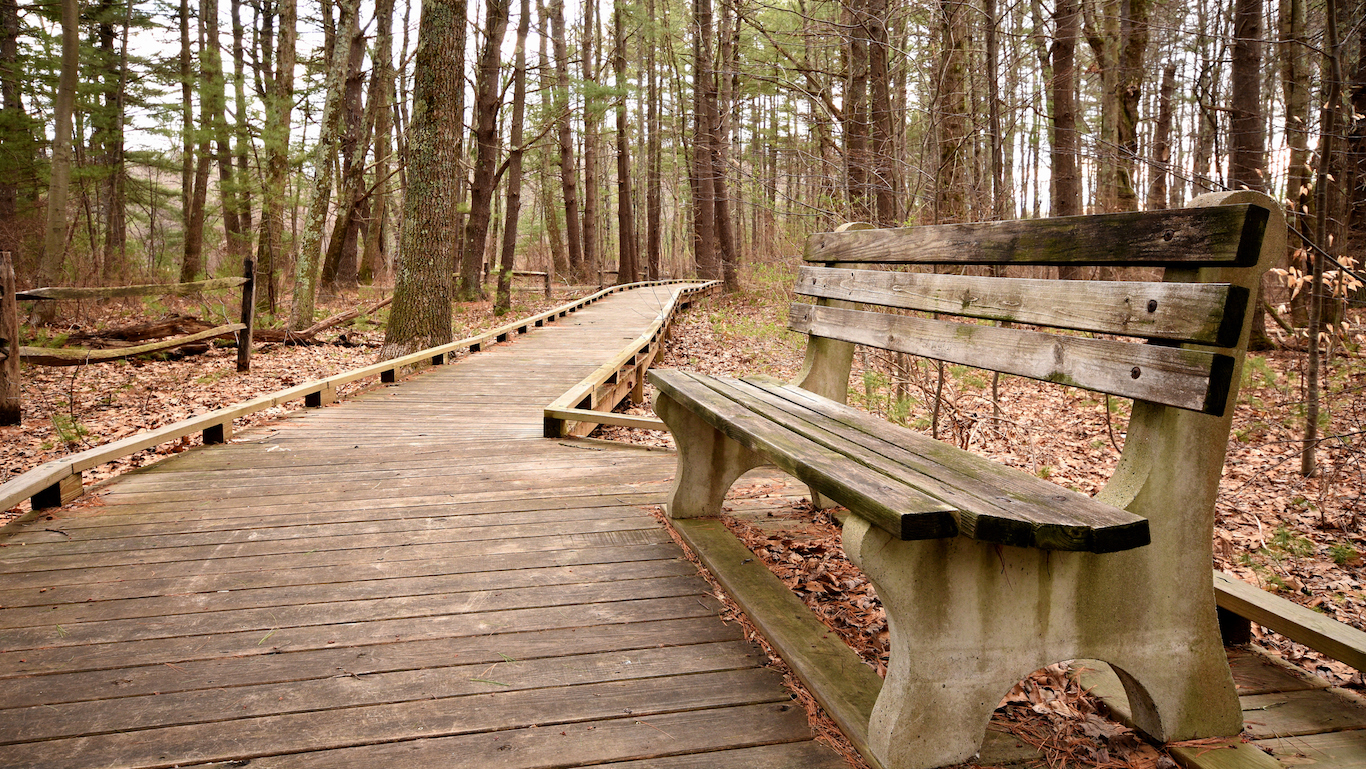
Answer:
(411, 578)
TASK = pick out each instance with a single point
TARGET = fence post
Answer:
(248, 315)
(10, 411)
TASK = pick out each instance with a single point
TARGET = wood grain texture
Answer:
(1228, 236)
(995, 503)
(1171, 376)
(889, 502)
(1207, 313)
(1315, 630)
(399, 576)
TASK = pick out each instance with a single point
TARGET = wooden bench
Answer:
(988, 573)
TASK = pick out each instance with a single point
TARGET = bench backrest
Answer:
(1195, 320)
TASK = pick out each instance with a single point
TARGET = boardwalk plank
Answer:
(385, 581)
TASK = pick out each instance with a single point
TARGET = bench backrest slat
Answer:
(1204, 313)
(1172, 376)
(1227, 236)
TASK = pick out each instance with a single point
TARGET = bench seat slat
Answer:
(1204, 313)
(888, 502)
(996, 503)
(1171, 376)
(1228, 236)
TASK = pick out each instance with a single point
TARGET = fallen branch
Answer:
(306, 336)
(111, 292)
(77, 356)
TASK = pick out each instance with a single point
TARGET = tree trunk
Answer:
(380, 98)
(568, 173)
(16, 148)
(884, 151)
(719, 103)
(1247, 131)
(243, 131)
(423, 284)
(951, 115)
(653, 203)
(514, 192)
(626, 225)
(1133, 36)
(591, 115)
(487, 101)
(704, 191)
(187, 155)
(551, 208)
(54, 240)
(1066, 199)
(213, 94)
(341, 267)
(275, 135)
(998, 192)
(856, 127)
(308, 264)
(1162, 147)
(1294, 55)
(1328, 126)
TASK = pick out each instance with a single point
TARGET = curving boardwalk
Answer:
(411, 578)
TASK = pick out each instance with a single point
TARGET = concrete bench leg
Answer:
(709, 463)
(968, 620)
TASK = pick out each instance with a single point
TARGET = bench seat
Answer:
(912, 486)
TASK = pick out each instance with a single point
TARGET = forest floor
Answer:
(1301, 537)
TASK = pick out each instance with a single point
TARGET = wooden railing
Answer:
(590, 402)
(56, 483)
(13, 353)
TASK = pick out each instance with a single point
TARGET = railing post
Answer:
(248, 315)
(10, 410)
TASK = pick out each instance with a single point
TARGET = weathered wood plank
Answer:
(1171, 376)
(1292, 714)
(658, 699)
(892, 505)
(77, 356)
(253, 643)
(1190, 237)
(177, 607)
(994, 503)
(629, 738)
(436, 681)
(807, 755)
(114, 292)
(845, 687)
(1208, 313)
(1317, 631)
(362, 660)
(323, 558)
(1333, 750)
(283, 619)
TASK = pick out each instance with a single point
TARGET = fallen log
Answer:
(139, 332)
(77, 356)
(306, 336)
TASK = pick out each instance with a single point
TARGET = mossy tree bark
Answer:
(423, 285)
(308, 265)
(568, 171)
(275, 136)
